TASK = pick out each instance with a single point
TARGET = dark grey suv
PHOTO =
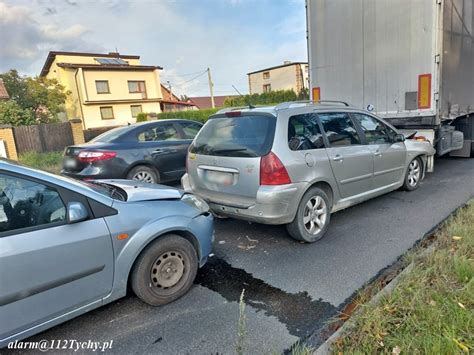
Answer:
(296, 163)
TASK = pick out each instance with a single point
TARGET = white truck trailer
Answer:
(410, 61)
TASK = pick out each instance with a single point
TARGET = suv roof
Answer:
(323, 104)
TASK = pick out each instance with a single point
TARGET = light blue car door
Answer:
(47, 266)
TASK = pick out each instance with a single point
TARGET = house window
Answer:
(107, 113)
(137, 87)
(266, 75)
(136, 109)
(102, 86)
(267, 88)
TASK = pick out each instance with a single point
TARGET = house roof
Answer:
(3, 91)
(277, 66)
(167, 94)
(53, 54)
(169, 98)
(205, 101)
(109, 66)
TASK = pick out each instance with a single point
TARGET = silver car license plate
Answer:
(221, 178)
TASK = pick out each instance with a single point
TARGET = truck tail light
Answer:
(272, 171)
(90, 156)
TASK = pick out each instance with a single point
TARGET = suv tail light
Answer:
(272, 171)
(90, 156)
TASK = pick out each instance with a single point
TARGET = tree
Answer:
(44, 98)
(12, 113)
(16, 87)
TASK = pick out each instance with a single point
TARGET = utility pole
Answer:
(211, 87)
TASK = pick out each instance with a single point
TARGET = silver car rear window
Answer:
(242, 136)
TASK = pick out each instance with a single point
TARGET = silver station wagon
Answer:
(296, 163)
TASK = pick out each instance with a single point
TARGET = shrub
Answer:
(267, 98)
(142, 117)
(197, 115)
(14, 114)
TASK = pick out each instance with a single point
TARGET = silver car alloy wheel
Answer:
(414, 173)
(315, 215)
(167, 270)
(143, 176)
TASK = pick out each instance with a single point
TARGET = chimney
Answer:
(287, 62)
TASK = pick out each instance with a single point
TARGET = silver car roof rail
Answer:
(236, 108)
(286, 105)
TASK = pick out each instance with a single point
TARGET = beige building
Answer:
(288, 76)
(106, 89)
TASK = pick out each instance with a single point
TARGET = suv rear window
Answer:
(242, 136)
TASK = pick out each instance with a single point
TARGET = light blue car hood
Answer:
(141, 191)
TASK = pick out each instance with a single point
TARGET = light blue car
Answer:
(67, 247)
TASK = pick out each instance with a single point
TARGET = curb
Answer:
(324, 348)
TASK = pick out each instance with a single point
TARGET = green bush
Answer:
(198, 115)
(14, 114)
(142, 117)
(267, 98)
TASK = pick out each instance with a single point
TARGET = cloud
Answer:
(231, 37)
(24, 39)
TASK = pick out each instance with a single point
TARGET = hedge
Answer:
(197, 115)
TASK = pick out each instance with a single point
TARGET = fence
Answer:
(41, 138)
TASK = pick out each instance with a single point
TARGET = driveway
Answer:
(291, 290)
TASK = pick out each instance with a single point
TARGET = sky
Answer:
(231, 37)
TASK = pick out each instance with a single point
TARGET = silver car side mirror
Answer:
(399, 138)
(76, 212)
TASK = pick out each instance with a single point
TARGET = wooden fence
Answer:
(43, 138)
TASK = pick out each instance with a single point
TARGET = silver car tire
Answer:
(413, 175)
(165, 270)
(312, 217)
(144, 173)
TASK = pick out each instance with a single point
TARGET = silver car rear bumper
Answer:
(273, 204)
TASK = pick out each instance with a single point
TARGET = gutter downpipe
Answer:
(79, 96)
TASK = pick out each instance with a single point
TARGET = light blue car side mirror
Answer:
(76, 212)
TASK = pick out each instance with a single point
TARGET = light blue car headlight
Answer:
(196, 202)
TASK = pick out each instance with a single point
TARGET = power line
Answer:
(197, 76)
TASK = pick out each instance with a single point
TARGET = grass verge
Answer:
(46, 161)
(431, 310)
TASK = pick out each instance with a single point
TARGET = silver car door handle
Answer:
(338, 158)
(377, 154)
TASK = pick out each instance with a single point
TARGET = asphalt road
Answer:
(291, 290)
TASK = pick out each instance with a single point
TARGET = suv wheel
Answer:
(413, 175)
(165, 270)
(144, 173)
(312, 218)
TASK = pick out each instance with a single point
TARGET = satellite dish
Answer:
(370, 107)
